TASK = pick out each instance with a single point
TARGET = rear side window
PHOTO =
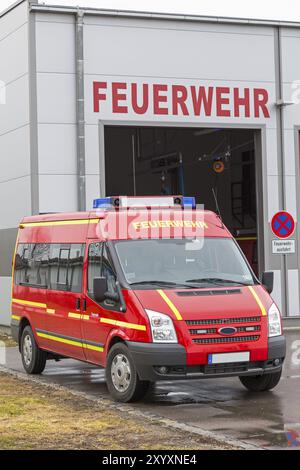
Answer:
(52, 266)
(65, 267)
(31, 265)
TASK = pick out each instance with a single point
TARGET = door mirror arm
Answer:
(123, 306)
(267, 281)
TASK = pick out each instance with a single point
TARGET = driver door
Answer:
(95, 333)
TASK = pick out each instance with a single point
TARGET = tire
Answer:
(33, 358)
(261, 383)
(122, 379)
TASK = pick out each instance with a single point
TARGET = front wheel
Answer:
(122, 379)
(33, 358)
(261, 383)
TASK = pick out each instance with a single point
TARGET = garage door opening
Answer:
(207, 163)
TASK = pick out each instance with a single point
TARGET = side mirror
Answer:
(100, 288)
(267, 280)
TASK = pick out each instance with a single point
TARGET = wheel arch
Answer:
(23, 323)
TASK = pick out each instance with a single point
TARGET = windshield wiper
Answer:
(162, 283)
(217, 281)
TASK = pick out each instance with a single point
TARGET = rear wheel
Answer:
(122, 379)
(33, 358)
(261, 383)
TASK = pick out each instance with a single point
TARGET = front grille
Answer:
(229, 339)
(223, 321)
(211, 331)
(226, 368)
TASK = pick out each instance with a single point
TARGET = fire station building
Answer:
(99, 102)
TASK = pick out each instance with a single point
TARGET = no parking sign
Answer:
(283, 226)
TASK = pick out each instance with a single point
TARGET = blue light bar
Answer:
(103, 203)
(189, 201)
(144, 201)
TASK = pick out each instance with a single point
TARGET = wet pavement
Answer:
(266, 419)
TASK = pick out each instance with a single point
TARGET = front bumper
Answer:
(150, 357)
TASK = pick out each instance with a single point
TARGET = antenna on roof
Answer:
(217, 205)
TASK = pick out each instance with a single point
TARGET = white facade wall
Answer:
(15, 180)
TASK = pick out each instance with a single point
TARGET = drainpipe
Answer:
(81, 180)
(281, 149)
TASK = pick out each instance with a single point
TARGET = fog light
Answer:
(163, 370)
(276, 362)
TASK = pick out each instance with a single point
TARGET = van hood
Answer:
(194, 304)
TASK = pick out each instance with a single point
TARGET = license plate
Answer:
(224, 358)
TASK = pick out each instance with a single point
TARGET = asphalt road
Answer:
(216, 405)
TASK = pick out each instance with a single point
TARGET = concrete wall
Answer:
(56, 113)
(15, 179)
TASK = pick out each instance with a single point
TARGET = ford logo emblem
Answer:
(227, 330)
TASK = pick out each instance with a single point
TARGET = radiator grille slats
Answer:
(223, 321)
(206, 331)
(226, 339)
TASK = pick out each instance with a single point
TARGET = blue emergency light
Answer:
(144, 201)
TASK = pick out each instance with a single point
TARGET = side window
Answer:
(65, 266)
(107, 271)
(62, 271)
(31, 265)
(94, 264)
(21, 264)
(99, 265)
(76, 267)
(51, 266)
(38, 265)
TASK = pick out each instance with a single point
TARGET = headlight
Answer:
(274, 321)
(162, 327)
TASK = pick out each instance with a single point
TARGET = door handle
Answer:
(84, 305)
(77, 304)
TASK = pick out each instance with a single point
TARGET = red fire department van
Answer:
(149, 288)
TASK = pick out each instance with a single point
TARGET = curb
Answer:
(131, 410)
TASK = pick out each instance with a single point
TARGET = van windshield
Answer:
(186, 263)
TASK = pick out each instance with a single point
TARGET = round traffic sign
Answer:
(283, 224)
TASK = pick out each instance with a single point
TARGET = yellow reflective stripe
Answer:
(16, 317)
(131, 326)
(92, 347)
(170, 304)
(59, 340)
(78, 316)
(70, 341)
(258, 301)
(74, 315)
(29, 302)
(50, 310)
(59, 222)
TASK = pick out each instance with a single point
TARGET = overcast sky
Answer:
(263, 9)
